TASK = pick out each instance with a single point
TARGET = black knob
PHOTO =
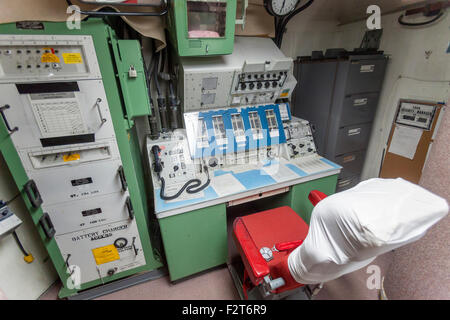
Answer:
(251, 86)
(259, 85)
(243, 86)
(274, 84)
(175, 168)
(213, 162)
(310, 149)
(267, 84)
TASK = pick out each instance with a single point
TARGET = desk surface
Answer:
(244, 181)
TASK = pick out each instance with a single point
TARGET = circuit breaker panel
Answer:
(55, 106)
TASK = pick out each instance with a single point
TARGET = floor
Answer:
(218, 285)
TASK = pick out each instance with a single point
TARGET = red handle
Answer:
(316, 196)
(285, 246)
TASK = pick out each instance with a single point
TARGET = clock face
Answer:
(283, 7)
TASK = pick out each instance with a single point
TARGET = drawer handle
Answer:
(32, 192)
(123, 180)
(130, 208)
(47, 226)
(97, 104)
(2, 109)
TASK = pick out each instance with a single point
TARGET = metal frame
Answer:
(119, 285)
(104, 39)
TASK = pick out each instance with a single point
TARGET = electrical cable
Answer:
(163, 11)
(189, 186)
(417, 24)
(12, 199)
(152, 121)
(16, 237)
(285, 21)
(155, 76)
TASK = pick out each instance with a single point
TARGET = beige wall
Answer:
(421, 269)
(19, 280)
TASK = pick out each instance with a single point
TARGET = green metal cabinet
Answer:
(197, 240)
(127, 98)
(178, 25)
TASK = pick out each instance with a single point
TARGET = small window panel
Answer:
(272, 123)
(219, 130)
(255, 124)
(238, 127)
(202, 134)
(206, 19)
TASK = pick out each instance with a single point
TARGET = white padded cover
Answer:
(349, 229)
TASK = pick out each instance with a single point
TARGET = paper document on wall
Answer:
(405, 141)
(226, 184)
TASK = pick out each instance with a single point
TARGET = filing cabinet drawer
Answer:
(352, 138)
(359, 108)
(352, 163)
(347, 183)
(365, 76)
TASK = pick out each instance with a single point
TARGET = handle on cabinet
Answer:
(2, 109)
(47, 226)
(130, 208)
(123, 180)
(33, 194)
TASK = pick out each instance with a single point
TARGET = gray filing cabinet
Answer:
(339, 97)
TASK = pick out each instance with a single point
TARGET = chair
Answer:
(264, 240)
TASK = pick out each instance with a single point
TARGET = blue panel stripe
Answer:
(297, 170)
(253, 179)
(334, 165)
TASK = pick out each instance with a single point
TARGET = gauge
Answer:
(120, 242)
(280, 8)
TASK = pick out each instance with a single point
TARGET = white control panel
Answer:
(8, 220)
(299, 140)
(256, 72)
(66, 141)
(47, 58)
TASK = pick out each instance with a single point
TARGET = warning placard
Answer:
(105, 254)
(72, 58)
(71, 157)
(49, 58)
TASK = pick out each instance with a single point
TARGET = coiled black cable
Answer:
(417, 24)
(189, 186)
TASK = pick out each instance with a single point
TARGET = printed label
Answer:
(105, 254)
(71, 157)
(285, 93)
(360, 102)
(49, 57)
(72, 58)
(353, 132)
(367, 68)
(349, 158)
